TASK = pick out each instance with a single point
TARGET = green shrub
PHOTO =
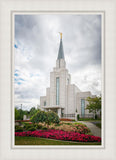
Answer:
(47, 117)
(26, 126)
(39, 126)
(58, 124)
(31, 129)
(35, 125)
(52, 117)
(44, 128)
(40, 116)
(77, 116)
(18, 129)
(96, 116)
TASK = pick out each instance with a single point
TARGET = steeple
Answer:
(60, 62)
(60, 52)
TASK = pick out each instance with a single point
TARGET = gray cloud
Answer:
(38, 41)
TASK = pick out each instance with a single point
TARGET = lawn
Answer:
(89, 119)
(43, 141)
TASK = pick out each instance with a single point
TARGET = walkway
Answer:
(94, 129)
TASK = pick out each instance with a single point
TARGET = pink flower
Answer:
(60, 135)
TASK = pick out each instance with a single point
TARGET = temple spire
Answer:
(60, 52)
(60, 35)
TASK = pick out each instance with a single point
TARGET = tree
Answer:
(33, 111)
(94, 105)
(17, 114)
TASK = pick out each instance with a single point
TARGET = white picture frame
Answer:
(6, 128)
(13, 14)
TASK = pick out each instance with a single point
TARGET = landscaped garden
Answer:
(47, 125)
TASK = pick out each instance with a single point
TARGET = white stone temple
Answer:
(63, 97)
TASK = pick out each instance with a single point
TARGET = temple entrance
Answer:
(55, 109)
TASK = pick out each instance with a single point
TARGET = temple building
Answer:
(63, 97)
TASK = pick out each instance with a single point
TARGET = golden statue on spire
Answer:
(60, 35)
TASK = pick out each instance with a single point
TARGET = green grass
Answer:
(88, 119)
(45, 141)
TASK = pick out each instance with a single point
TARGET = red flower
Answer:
(60, 135)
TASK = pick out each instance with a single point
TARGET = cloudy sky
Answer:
(36, 50)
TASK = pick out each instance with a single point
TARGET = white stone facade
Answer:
(62, 96)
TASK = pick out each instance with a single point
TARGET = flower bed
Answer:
(65, 126)
(70, 127)
(60, 135)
